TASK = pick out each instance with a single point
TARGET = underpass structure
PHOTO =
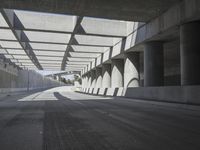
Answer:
(152, 51)
(61, 119)
(138, 63)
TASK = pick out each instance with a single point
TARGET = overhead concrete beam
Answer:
(9, 17)
(129, 10)
(76, 66)
(80, 59)
(84, 54)
(77, 63)
(18, 25)
(76, 28)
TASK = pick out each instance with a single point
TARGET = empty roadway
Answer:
(59, 119)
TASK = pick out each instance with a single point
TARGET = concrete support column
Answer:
(190, 53)
(98, 77)
(117, 73)
(153, 64)
(106, 73)
(131, 69)
(89, 80)
(84, 81)
(93, 78)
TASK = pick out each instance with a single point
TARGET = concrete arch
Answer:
(131, 70)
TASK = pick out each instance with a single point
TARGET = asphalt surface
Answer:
(58, 119)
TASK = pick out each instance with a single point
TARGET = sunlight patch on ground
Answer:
(66, 91)
(40, 96)
(78, 96)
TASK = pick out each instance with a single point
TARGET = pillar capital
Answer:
(117, 73)
(131, 69)
(106, 74)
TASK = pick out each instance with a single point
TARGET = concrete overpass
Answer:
(139, 64)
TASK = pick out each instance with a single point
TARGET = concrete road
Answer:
(59, 119)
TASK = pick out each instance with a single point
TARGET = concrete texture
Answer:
(190, 54)
(98, 77)
(59, 119)
(117, 75)
(89, 79)
(164, 65)
(8, 75)
(85, 81)
(13, 80)
(7, 80)
(33, 80)
(131, 69)
(153, 64)
(174, 94)
(93, 78)
(172, 63)
(106, 72)
(129, 10)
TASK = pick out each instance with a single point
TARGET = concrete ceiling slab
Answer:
(134, 10)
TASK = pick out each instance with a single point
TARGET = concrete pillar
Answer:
(153, 64)
(83, 81)
(89, 80)
(93, 78)
(98, 77)
(190, 53)
(82, 78)
(131, 69)
(117, 73)
(106, 73)
(86, 81)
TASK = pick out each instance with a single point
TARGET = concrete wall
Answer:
(8, 75)
(177, 94)
(32, 80)
(14, 80)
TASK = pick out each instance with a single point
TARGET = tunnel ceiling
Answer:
(52, 41)
(132, 10)
(49, 41)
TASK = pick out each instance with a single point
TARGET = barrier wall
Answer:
(177, 94)
(14, 80)
(33, 80)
